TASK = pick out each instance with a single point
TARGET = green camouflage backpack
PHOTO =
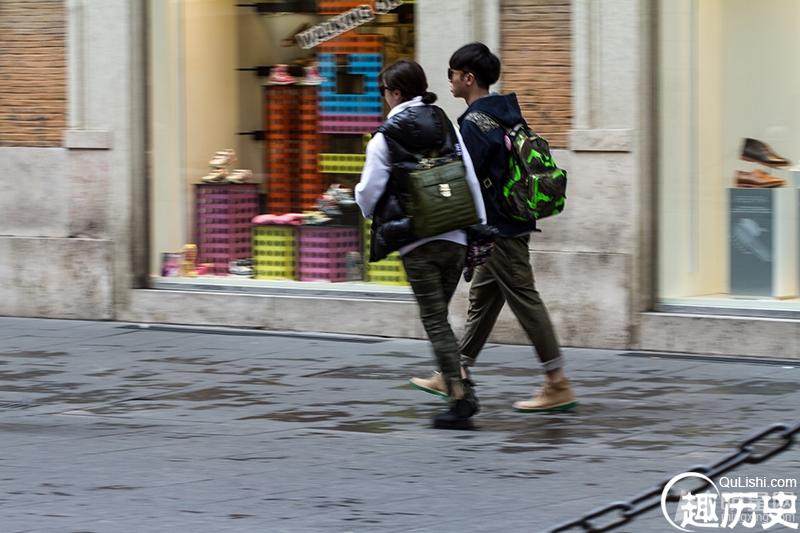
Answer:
(535, 187)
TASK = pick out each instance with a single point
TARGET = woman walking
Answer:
(414, 134)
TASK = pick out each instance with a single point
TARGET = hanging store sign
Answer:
(347, 21)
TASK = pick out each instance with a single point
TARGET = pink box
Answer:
(223, 214)
(355, 124)
(322, 252)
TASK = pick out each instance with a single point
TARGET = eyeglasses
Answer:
(452, 71)
(383, 89)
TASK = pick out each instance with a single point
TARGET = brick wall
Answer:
(536, 44)
(33, 75)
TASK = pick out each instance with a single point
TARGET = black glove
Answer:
(480, 243)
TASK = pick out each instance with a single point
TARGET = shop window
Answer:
(729, 148)
(260, 113)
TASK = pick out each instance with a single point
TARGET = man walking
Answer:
(508, 275)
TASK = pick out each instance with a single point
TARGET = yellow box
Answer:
(387, 271)
(274, 252)
(341, 163)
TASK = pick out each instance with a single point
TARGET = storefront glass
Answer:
(259, 116)
(729, 155)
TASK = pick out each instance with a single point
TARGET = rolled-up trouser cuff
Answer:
(553, 364)
(467, 360)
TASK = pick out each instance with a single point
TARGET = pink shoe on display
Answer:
(262, 220)
(312, 77)
(280, 76)
(293, 219)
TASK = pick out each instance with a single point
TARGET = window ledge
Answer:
(88, 140)
(231, 284)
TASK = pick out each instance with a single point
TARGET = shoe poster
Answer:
(751, 253)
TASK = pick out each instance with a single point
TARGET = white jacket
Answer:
(378, 168)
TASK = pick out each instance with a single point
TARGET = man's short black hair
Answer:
(480, 61)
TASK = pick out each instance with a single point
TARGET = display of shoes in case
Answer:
(764, 225)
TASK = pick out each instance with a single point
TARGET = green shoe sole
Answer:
(435, 392)
(556, 409)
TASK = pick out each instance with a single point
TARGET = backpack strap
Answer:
(487, 123)
(484, 121)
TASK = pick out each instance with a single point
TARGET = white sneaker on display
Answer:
(217, 175)
(240, 175)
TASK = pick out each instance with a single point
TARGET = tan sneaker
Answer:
(433, 385)
(551, 397)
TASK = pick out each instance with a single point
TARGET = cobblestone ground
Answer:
(111, 427)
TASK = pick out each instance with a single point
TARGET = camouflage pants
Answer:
(433, 270)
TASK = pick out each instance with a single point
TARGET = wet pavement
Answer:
(110, 427)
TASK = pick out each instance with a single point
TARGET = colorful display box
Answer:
(223, 214)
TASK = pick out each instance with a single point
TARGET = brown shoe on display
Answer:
(433, 385)
(757, 179)
(760, 152)
(553, 396)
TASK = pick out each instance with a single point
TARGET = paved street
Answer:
(110, 427)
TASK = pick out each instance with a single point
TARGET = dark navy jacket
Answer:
(487, 148)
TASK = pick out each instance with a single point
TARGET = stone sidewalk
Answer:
(112, 427)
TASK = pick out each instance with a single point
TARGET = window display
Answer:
(258, 136)
(729, 143)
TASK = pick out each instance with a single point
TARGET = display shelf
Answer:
(256, 135)
(790, 174)
(764, 242)
(305, 7)
(222, 220)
